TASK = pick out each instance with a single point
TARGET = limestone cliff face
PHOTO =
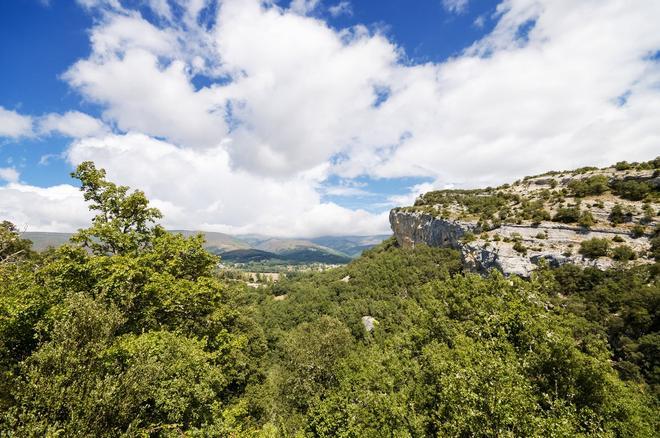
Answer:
(556, 243)
(416, 227)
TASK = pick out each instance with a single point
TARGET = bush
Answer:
(594, 248)
(617, 215)
(631, 189)
(593, 185)
(586, 219)
(567, 215)
(618, 239)
(638, 231)
(622, 165)
(655, 248)
(468, 237)
(623, 253)
(519, 247)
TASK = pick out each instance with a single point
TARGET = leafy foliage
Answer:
(129, 331)
(590, 186)
(594, 248)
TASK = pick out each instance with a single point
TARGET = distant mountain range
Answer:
(257, 248)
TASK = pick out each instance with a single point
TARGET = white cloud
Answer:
(297, 103)
(9, 174)
(13, 124)
(199, 189)
(71, 124)
(455, 6)
(304, 7)
(342, 8)
(58, 208)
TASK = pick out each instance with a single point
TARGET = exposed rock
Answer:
(369, 322)
(346, 279)
(508, 227)
(411, 228)
(415, 227)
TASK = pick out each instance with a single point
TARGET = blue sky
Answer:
(318, 115)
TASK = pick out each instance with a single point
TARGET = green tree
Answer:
(310, 354)
(124, 220)
(12, 246)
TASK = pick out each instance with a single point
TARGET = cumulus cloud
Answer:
(199, 189)
(71, 124)
(9, 174)
(57, 208)
(235, 123)
(13, 124)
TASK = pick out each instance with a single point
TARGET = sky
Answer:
(302, 118)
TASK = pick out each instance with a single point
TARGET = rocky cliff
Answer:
(513, 227)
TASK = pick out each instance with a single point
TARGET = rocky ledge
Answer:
(509, 248)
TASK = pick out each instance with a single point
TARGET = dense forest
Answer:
(132, 331)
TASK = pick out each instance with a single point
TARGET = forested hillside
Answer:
(131, 331)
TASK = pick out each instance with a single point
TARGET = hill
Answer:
(352, 246)
(43, 240)
(217, 242)
(588, 216)
(247, 256)
(238, 249)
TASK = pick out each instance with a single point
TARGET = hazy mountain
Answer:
(245, 248)
(218, 242)
(247, 256)
(349, 245)
(43, 240)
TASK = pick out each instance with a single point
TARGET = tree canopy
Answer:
(130, 330)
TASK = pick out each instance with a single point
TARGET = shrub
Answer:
(655, 248)
(631, 189)
(648, 214)
(468, 237)
(519, 247)
(618, 239)
(586, 219)
(622, 165)
(623, 253)
(638, 231)
(593, 185)
(617, 215)
(594, 248)
(567, 215)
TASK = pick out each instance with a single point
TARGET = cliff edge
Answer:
(588, 217)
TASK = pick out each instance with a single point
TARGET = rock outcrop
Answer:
(544, 219)
(557, 244)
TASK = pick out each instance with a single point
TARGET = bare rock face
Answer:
(548, 242)
(416, 227)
